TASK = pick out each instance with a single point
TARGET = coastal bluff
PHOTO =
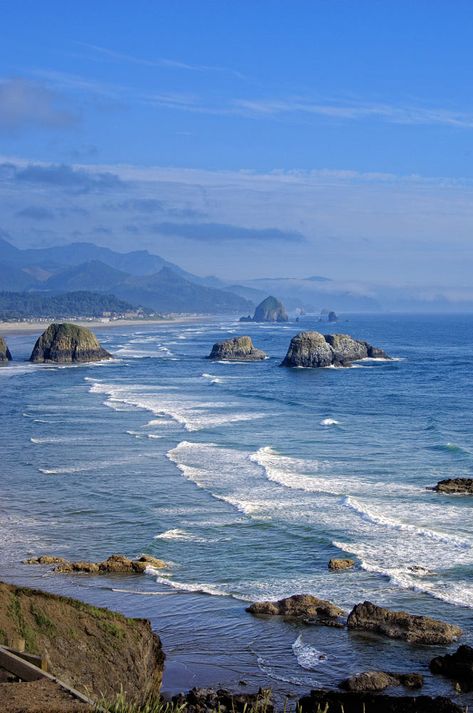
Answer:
(236, 349)
(96, 651)
(64, 343)
(5, 354)
(312, 349)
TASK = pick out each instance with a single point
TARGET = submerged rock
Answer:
(209, 700)
(115, 564)
(401, 625)
(5, 354)
(455, 486)
(379, 680)
(299, 606)
(236, 349)
(269, 310)
(336, 565)
(352, 702)
(457, 666)
(67, 343)
(312, 349)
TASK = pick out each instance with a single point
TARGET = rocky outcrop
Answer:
(312, 349)
(115, 564)
(457, 666)
(332, 317)
(300, 606)
(208, 700)
(455, 486)
(380, 680)
(335, 565)
(350, 702)
(5, 354)
(67, 343)
(236, 349)
(269, 310)
(401, 625)
(94, 650)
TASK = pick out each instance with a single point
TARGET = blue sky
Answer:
(244, 138)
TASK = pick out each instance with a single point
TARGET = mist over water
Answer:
(248, 478)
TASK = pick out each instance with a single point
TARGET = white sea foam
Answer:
(183, 535)
(56, 439)
(197, 588)
(329, 422)
(308, 657)
(213, 379)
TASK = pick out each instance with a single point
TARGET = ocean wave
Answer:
(198, 588)
(212, 379)
(308, 657)
(57, 439)
(182, 535)
(329, 422)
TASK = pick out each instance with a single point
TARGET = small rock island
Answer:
(236, 349)
(67, 344)
(312, 349)
(5, 354)
(269, 310)
(455, 486)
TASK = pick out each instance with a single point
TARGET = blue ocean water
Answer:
(247, 478)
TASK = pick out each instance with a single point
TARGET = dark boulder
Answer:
(379, 680)
(209, 700)
(401, 625)
(236, 349)
(312, 349)
(457, 666)
(299, 606)
(351, 702)
(336, 565)
(5, 354)
(67, 343)
(115, 564)
(455, 486)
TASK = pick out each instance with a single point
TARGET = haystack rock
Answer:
(4, 351)
(269, 310)
(67, 344)
(312, 349)
(236, 349)
(401, 625)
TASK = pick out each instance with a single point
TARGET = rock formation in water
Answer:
(401, 625)
(352, 702)
(5, 354)
(209, 700)
(335, 565)
(236, 349)
(312, 349)
(299, 606)
(94, 650)
(380, 680)
(332, 317)
(115, 564)
(269, 310)
(455, 486)
(67, 343)
(457, 666)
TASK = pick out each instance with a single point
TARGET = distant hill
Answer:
(92, 275)
(24, 305)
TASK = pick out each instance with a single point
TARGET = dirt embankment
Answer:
(94, 650)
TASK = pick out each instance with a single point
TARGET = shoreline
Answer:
(13, 328)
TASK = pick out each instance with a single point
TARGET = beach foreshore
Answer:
(27, 327)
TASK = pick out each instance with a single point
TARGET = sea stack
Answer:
(312, 349)
(5, 355)
(236, 349)
(269, 310)
(67, 344)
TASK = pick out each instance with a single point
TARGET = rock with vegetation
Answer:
(380, 680)
(67, 343)
(96, 651)
(401, 625)
(455, 486)
(236, 349)
(115, 564)
(457, 666)
(5, 354)
(269, 310)
(336, 565)
(353, 702)
(208, 700)
(299, 606)
(312, 349)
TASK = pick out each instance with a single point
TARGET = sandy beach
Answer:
(27, 327)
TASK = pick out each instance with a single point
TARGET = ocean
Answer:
(247, 478)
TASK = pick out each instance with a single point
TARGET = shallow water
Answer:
(248, 478)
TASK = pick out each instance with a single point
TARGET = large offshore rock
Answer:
(67, 343)
(236, 349)
(299, 606)
(457, 666)
(401, 625)
(269, 310)
(312, 349)
(455, 486)
(5, 354)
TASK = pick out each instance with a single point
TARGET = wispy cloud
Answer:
(25, 103)
(220, 232)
